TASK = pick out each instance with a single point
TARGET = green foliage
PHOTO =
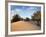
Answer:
(27, 19)
(15, 18)
(37, 17)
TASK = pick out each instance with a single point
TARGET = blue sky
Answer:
(24, 11)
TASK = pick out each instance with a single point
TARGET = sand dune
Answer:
(23, 26)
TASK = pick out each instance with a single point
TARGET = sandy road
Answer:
(23, 26)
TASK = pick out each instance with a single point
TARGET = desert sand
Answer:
(23, 26)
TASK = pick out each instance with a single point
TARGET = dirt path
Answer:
(23, 26)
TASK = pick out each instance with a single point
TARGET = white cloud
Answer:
(31, 8)
(12, 14)
(15, 11)
(18, 10)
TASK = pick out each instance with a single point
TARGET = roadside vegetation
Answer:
(36, 18)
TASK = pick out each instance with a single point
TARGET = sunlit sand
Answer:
(23, 26)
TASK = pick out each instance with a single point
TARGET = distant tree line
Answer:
(18, 18)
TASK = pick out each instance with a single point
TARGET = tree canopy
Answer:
(37, 17)
(15, 18)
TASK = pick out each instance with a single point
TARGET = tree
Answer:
(15, 18)
(37, 17)
(27, 19)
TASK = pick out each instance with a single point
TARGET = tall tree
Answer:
(37, 17)
(15, 18)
